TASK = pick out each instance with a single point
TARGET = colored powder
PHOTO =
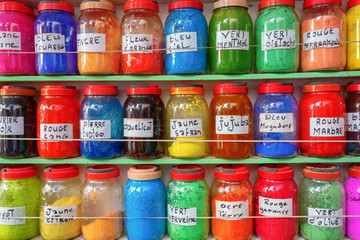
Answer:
(189, 149)
(103, 229)
(352, 187)
(67, 230)
(353, 36)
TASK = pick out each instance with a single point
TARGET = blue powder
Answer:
(145, 199)
(185, 20)
(276, 103)
(102, 108)
(56, 21)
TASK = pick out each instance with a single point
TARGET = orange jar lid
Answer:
(191, 89)
(322, 87)
(144, 172)
(322, 171)
(17, 91)
(97, 4)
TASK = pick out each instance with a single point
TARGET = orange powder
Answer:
(103, 229)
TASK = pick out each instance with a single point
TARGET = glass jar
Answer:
(60, 198)
(186, 35)
(187, 199)
(145, 197)
(18, 120)
(58, 116)
(55, 34)
(231, 118)
(353, 117)
(144, 118)
(98, 38)
(231, 38)
(187, 118)
(17, 35)
(142, 35)
(321, 194)
(101, 117)
(353, 35)
(277, 30)
(276, 195)
(352, 187)
(102, 197)
(19, 197)
(231, 201)
(322, 118)
(276, 117)
(323, 34)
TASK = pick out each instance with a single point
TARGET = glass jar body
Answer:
(352, 117)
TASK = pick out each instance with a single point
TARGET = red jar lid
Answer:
(16, 7)
(322, 87)
(231, 172)
(309, 3)
(352, 3)
(18, 171)
(58, 91)
(185, 4)
(276, 171)
(141, 4)
(144, 172)
(55, 5)
(353, 86)
(267, 3)
(97, 4)
(354, 170)
(276, 88)
(102, 172)
(143, 89)
(17, 91)
(191, 89)
(101, 90)
(187, 172)
(230, 88)
(322, 171)
(61, 171)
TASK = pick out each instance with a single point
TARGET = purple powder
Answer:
(352, 187)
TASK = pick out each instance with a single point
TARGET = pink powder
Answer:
(353, 207)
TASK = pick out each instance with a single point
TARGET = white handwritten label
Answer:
(12, 126)
(182, 216)
(95, 128)
(278, 39)
(327, 127)
(276, 122)
(59, 215)
(181, 42)
(325, 219)
(8, 213)
(91, 42)
(138, 127)
(232, 124)
(232, 39)
(232, 210)
(191, 127)
(56, 131)
(322, 38)
(137, 43)
(50, 43)
(275, 207)
(10, 40)
(353, 121)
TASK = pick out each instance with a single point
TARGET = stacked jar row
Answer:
(282, 43)
(96, 209)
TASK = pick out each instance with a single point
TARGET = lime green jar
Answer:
(231, 38)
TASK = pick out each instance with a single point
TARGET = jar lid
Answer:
(101, 90)
(276, 171)
(54, 90)
(230, 3)
(191, 89)
(354, 170)
(309, 3)
(141, 4)
(143, 89)
(267, 3)
(231, 172)
(55, 5)
(102, 172)
(187, 172)
(353, 86)
(99, 4)
(17, 91)
(185, 4)
(322, 171)
(144, 172)
(16, 7)
(352, 3)
(276, 88)
(322, 87)
(230, 88)
(61, 171)
(18, 171)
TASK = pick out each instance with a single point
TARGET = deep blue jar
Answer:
(101, 117)
(276, 118)
(55, 32)
(185, 31)
(145, 196)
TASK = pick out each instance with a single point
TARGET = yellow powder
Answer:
(104, 229)
(189, 149)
